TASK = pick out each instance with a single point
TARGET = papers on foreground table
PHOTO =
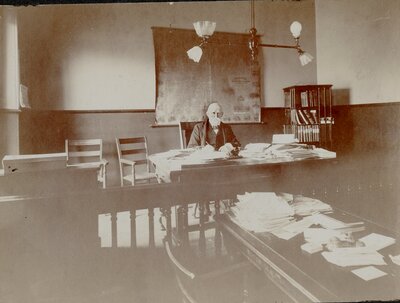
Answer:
(268, 212)
(368, 273)
(262, 211)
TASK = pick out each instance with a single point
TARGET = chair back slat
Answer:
(141, 162)
(132, 140)
(132, 149)
(84, 151)
(92, 153)
(85, 142)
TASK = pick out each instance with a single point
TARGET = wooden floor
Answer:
(29, 274)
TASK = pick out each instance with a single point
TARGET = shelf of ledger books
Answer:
(308, 113)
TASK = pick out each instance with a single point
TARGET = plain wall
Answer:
(9, 66)
(91, 57)
(9, 133)
(358, 47)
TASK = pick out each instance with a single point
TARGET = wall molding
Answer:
(96, 111)
(151, 110)
(9, 110)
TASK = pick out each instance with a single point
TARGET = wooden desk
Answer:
(220, 179)
(179, 166)
(309, 277)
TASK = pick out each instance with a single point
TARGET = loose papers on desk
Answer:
(257, 147)
(353, 257)
(377, 241)
(256, 151)
(293, 229)
(323, 153)
(206, 154)
(395, 259)
(304, 206)
(368, 273)
(262, 212)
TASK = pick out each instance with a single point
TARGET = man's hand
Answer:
(208, 148)
(227, 148)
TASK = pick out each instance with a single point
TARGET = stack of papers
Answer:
(293, 229)
(311, 248)
(256, 151)
(323, 153)
(206, 154)
(257, 147)
(304, 206)
(262, 212)
(283, 139)
(293, 151)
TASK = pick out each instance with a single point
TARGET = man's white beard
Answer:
(214, 121)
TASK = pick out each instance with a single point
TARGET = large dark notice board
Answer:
(225, 74)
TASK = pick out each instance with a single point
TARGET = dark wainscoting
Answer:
(45, 131)
(367, 128)
(363, 135)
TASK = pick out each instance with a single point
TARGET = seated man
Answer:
(214, 133)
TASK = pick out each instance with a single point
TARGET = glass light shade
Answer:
(305, 58)
(204, 28)
(195, 53)
(295, 28)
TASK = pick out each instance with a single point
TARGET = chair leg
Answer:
(104, 176)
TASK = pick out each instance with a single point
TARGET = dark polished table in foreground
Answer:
(301, 276)
(305, 277)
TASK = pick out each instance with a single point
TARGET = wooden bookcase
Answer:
(308, 114)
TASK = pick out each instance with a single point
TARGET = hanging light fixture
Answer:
(295, 29)
(205, 29)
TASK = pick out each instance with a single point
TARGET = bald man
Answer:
(213, 132)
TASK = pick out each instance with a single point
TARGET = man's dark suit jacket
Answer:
(202, 131)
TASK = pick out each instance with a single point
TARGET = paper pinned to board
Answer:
(369, 273)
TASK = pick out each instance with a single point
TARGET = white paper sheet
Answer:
(369, 273)
(377, 241)
(344, 258)
(395, 259)
(293, 229)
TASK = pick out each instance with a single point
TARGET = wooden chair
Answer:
(132, 153)
(206, 279)
(87, 153)
(185, 131)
